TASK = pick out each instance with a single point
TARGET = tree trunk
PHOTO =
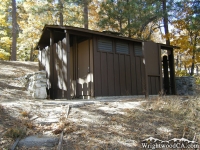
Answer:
(10, 52)
(129, 30)
(193, 55)
(31, 54)
(85, 13)
(177, 61)
(180, 64)
(192, 69)
(120, 25)
(185, 67)
(14, 31)
(165, 21)
(61, 12)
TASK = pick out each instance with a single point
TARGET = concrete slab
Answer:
(82, 102)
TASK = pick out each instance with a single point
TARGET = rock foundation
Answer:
(185, 85)
(36, 84)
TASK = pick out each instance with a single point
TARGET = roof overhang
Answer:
(59, 34)
(169, 47)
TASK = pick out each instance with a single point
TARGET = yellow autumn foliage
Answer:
(184, 37)
(4, 55)
(5, 41)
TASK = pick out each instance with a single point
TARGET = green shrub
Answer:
(181, 73)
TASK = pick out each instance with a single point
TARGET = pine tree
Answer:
(14, 31)
(131, 17)
(85, 12)
(60, 2)
(165, 21)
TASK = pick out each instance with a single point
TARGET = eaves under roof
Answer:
(59, 32)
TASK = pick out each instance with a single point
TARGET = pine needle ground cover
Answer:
(112, 125)
(164, 118)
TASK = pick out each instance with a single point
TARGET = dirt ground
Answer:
(12, 90)
(121, 124)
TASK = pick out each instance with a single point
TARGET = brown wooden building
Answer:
(82, 63)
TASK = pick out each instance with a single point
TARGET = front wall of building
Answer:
(118, 68)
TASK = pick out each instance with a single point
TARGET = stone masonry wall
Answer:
(185, 85)
(36, 84)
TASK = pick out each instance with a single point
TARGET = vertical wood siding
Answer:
(117, 73)
(111, 80)
(84, 69)
(104, 74)
(128, 75)
(57, 69)
(122, 74)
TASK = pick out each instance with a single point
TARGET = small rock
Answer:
(40, 93)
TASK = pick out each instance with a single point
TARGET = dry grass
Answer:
(176, 116)
(28, 124)
(164, 117)
(24, 113)
(1, 108)
(161, 117)
(15, 132)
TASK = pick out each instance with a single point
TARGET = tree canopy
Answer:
(174, 22)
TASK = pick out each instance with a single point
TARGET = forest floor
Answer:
(106, 124)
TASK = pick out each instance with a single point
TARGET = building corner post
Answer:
(52, 88)
(68, 96)
(146, 85)
(160, 69)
